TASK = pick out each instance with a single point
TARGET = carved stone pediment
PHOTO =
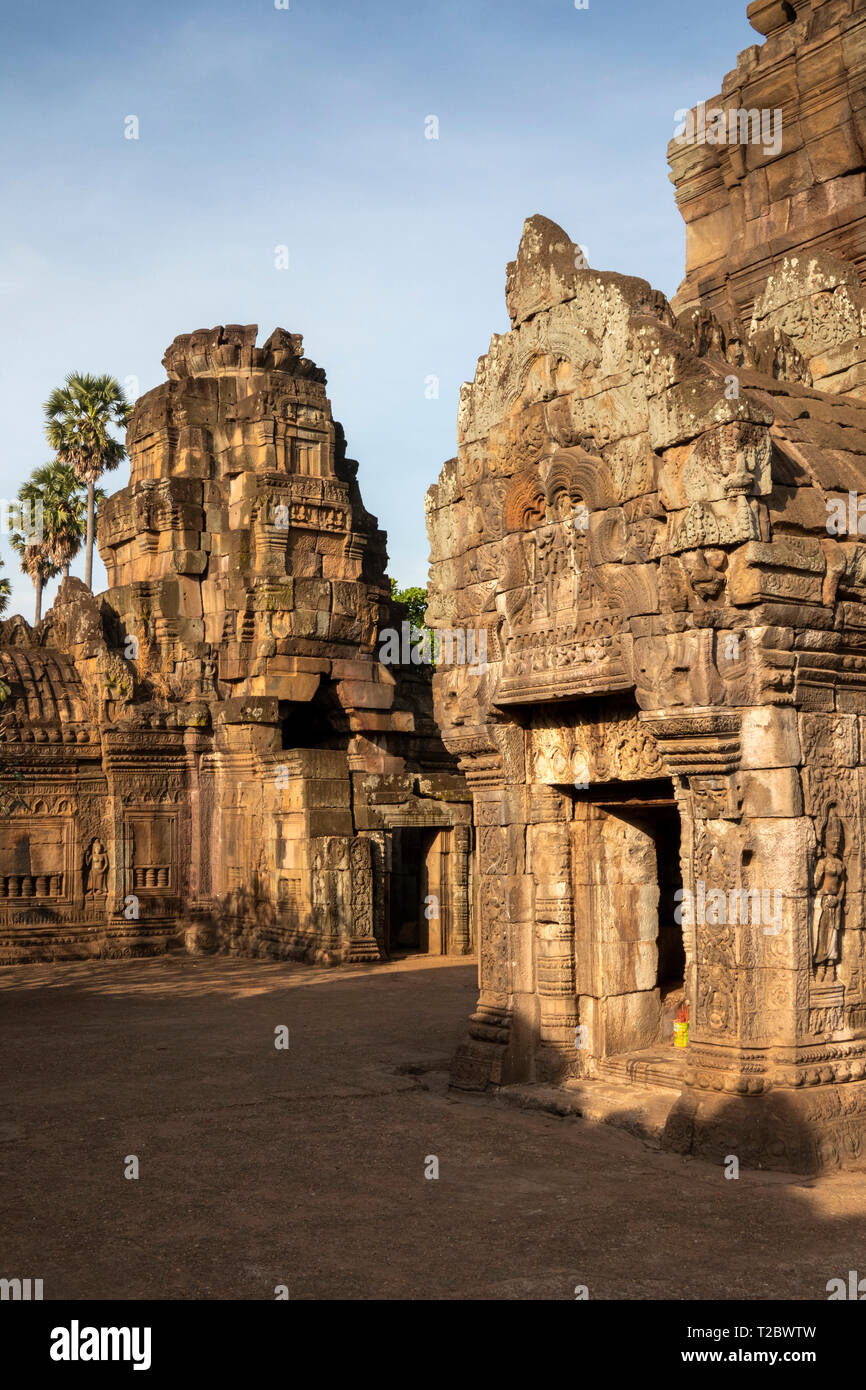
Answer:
(562, 631)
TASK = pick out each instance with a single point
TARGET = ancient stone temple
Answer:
(212, 753)
(657, 516)
(794, 183)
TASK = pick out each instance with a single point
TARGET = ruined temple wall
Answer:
(295, 850)
(662, 600)
(750, 202)
(50, 820)
(93, 859)
(67, 842)
(255, 756)
(248, 587)
(241, 560)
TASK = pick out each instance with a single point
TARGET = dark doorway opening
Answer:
(663, 826)
(317, 723)
(650, 807)
(408, 920)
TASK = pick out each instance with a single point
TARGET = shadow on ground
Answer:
(305, 1167)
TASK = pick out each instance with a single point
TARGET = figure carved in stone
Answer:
(96, 869)
(829, 884)
(705, 571)
(551, 561)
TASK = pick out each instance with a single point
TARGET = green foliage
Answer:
(415, 600)
(78, 419)
(64, 509)
(79, 416)
(33, 558)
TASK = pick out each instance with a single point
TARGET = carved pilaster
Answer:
(554, 932)
(378, 851)
(483, 1059)
(362, 944)
(459, 870)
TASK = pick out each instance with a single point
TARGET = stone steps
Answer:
(640, 1110)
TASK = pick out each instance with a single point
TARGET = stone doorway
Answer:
(636, 952)
(410, 929)
(661, 825)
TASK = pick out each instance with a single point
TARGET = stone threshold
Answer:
(641, 1110)
(652, 1066)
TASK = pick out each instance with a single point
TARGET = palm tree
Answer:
(64, 512)
(78, 417)
(32, 549)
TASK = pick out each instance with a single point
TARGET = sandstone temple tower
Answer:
(657, 513)
(211, 752)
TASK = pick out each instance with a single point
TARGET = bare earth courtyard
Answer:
(306, 1167)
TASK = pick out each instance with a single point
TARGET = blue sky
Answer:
(305, 127)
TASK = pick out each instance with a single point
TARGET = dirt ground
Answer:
(305, 1167)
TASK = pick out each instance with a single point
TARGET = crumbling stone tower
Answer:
(249, 774)
(746, 209)
(655, 515)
